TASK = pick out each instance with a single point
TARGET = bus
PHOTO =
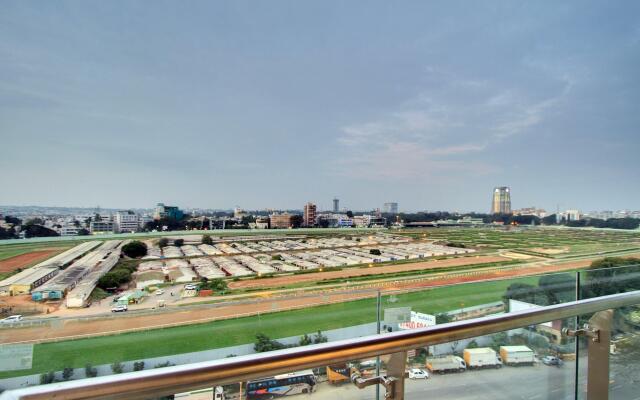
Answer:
(281, 385)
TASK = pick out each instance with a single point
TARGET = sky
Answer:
(270, 104)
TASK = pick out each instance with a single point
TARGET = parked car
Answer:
(159, 292)
(11, 319)
(551, 360)
(417, 373)
(190, 286)
(119, 308)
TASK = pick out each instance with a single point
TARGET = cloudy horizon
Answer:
(273, 104)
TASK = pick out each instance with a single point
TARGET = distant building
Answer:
(96, 227)
(390, 208)
(537, 212)
(336, 205)
(261, 223)
(309, 218)
(239, 213)
(501, 200)
(280, 221)
(127, 221)
(69, 230)
(573, 215)
(167, 212)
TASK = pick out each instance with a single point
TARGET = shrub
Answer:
(138, 365)
(135, 249)
(164, 364)
(90, 371)
(47, 378)
(178, 242)
(375, 252)
(206, 239)
(163, 242)
(117, 367)
(67, 373)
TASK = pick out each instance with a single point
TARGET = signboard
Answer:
(15, 356)
(517, 305)
(426, 319)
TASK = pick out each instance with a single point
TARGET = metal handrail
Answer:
(169, 380)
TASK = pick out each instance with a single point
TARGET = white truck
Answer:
(482, 357)
(516, 355)
(444, 364)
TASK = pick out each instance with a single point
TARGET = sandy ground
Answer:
(354, 272)
(25, 260)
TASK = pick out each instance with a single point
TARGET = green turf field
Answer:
(547, 242)
(191, 338)
(12, 250)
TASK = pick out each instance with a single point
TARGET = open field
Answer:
(12, 250)
(229, 332)
(540, 241)
(25, 260)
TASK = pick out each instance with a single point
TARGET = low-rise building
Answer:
(96, 227)
(127, 221)
(25, 281)
(280, 221)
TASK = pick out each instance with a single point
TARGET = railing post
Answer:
(396, 370)
(598, 359)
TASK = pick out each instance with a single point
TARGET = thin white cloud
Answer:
(441, 129)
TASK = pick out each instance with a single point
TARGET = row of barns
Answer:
(185, 270)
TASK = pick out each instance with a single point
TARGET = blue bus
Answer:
(281, 385)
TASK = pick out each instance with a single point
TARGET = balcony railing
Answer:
(170, 380)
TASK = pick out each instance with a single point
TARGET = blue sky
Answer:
(275, 103)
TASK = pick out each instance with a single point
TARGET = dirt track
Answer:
(95, 327)
(354, 272)
(25, 260)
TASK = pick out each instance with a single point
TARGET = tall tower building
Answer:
(309, 218)
(390, 208)
(336, 205)
(501, 200)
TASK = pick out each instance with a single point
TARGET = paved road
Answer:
(509, 383)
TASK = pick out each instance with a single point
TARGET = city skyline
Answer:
(205, 105)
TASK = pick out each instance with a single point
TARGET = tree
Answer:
(47, 378)
(38, 231)
(114, 278)
(83, 232)
(296, 220)
(138, 365)
(90, 371)
(163, 242)
(323, 223)
(178, 242)
(135, 249)
(34, 221)
(305, 340)
(521, 292)
(443, 318)
(264, 343)
(117, 367)
(206, 239)
(217, 284)
(610, 276)
(12, 220)
(350, 214)
(164, 364)
(549, 220)
(320, 338)
(67, 373)
(558, 288)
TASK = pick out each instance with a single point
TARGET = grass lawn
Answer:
(191, 338)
